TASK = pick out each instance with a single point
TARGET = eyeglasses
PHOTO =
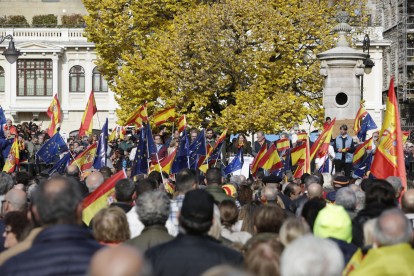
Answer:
(7, 231)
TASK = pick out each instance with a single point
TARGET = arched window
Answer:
(1, 79)
(98, 82)
(77, 79)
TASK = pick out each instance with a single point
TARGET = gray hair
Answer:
(312, 256)
(153, 208)
(97, 184)
(360, 196)
(6, 183)
(395, 182)
(392, 228)
(261, 132)
(236, 179)
(354, 187)
(270, 193)
(289, 175)
(346, 198)
(310, 180)
(30, 191)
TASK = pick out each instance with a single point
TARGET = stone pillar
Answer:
(342, 67)
(55, 73)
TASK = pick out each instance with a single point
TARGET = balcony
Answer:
(375, 33)
(45, 34)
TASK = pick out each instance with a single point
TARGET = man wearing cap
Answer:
(274, 180)
(195, 252)
(344, 149)
(338, 183)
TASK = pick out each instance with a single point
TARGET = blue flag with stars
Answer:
(183, 146)
(325, 167)
(52, 148)
(236, 163)
(61, 165)
(140, 165)
(366, 125)
(286, 164)
(150, 140)
(2, 117)
(363, 170)
(101, 148)
(181, 157)
(198, 146)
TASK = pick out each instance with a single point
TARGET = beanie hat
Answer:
(230, 190)
(341, 181)
(198, 206)
(333, 222)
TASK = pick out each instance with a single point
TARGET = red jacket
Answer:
(12, 129)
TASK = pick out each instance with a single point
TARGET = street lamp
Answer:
(11, 53)
(368, 62)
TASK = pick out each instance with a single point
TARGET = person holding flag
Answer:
(326, 160)
(344, 149)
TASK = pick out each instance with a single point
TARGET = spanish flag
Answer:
(87, 120)
(283, 144)
(163, 116)
(254, 165)
(358, 118)
(113, 135)
(182, 124)
(297, 152)
(138, 117)
(122, 133)
(12, 163)
(165, 163)
(85, 159)
(202, 163)
(405, 135)
(303, 162)
(101, 197)
(389, 158)
(169, 187)
(302, 137)
(360, 151)
(54, 110)
(321, 145)
(51, 130)
(271, 160)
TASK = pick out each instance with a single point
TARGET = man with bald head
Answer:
(407, 205)
(64, 247)
(15, 200)
(72, 171)
(93, 181)
(315, 190)
(123, 260)
(393, 256)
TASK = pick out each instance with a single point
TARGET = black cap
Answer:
(198, 206)
(272, 179)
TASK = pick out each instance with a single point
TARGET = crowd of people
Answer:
(321, 224)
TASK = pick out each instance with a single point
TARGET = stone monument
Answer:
(342, 67)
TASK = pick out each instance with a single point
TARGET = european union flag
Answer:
(150, 140)
(286, 165)
(2, 117)
(101, 149)
(365, 167)
(140, 165)
(367, 124)
(52, 148)
(181, 157)
(216, 153)
(198, 146)
(236, 163)
(325, 167)
(61, 165)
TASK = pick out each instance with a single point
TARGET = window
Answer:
(77, 79)
(34, 77)
(1, 79)
(98, 82)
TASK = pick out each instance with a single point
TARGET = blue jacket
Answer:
(348, 249)
(61, 249)
(349, 143)
(5, 146)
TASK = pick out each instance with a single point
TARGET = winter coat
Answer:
(150, 237)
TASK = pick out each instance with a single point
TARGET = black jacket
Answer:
(348, 249)
(189, 255)
(299, 202)
(286, 200)
(257, 147)
(61, 249)
(370, 211)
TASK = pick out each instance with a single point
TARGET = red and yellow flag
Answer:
(52, 129)
(85, 159)
(303, 162)
(302, 137)
(87, 120)
(283, 144)
(204, 167)
(271, 160)
(54, 110)
(297, 152)
(165, 163)
(182, 124)
(360, 151)
(254, 165)
(389, 158)
(113, 135)
(405, 135)
(169, 187)
(101, 197)
(12, 163)
(138, 117)
(163, 116)
(358, 118)
(321, 145)
(122, 133)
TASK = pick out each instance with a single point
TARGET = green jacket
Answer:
(125, 145)
(150, 236)
(218, 193)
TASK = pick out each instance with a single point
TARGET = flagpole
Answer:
(70, 152)
(172, 133)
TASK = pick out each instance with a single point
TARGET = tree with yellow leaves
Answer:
(246, 64)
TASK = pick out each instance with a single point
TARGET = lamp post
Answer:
(11, 53)
(367, 62)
